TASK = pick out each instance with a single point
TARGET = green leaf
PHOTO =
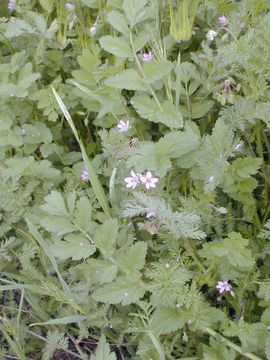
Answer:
(119, 22)
(103, 351)
(55, 204)
(83, 213)
(134, 10)
(58, 224)
(99, 271)
(105, 237)
(166, 320)
(154, 71)
(267, 347)
(43, 244)
(233, 248)
(117, 46)
(62, 321)
(148, 109)
(124, 290)
(127, 79)
(75, 247)
(133, 259)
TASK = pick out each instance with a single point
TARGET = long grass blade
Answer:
(98, 190)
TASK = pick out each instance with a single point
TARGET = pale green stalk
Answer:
(97, 188)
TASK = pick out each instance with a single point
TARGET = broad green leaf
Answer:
(105, 237)
(119, 22)
(127, 79)
(83, 213)
(103, 351)
(134, 10)
(58, 224)
(233, 248)
(75, 247)
(133, 259)
(124, 290)
(166, 320)
(117, 46)
(55, 204)
(156, 70)
(148, 109)
(151, 156)
(99, 271)
(5, 122)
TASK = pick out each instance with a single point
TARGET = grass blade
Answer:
(98, 190)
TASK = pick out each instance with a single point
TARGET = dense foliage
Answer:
(134, 179)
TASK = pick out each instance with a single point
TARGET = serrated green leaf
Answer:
(103, 351)
(134, 10)
(99, 271)
(55, 204)
(127, 79)
(117, 46)
(118, 21)
(105, 237)
(166, 320)
(75, 247)
(154, 71)
(83, 213)
(148, 109)
(58, 224)
(233, 248)
(124, 290)
(133, 259)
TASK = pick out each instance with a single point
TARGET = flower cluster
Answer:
(134, 179)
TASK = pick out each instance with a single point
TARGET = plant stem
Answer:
(142, 73)
(232, 345)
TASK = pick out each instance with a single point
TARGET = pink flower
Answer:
(240, 24)
(123, 126)
(11, 4)
(149, 180)
(133, 180)
(223, 20)
(150, 214)
(69, 6)
(147, 56)
(224, 287)
(84, 175)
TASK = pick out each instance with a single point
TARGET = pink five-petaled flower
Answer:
(69, 6)
(150, 214)
(224, 287)
(84, 175)
(223, 19)
(133, 180)
(123, 126)
(147, 56)
(148, 180)
(11, 5)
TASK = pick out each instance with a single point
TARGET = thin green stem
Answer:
(232, 345)
(142, 73)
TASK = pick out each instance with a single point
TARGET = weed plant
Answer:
(134, 179)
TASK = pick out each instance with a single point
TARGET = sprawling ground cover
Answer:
(134, 179)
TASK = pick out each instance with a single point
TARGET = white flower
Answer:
(123, 126)
(133, 180)
(211, 34)
(149, 180)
